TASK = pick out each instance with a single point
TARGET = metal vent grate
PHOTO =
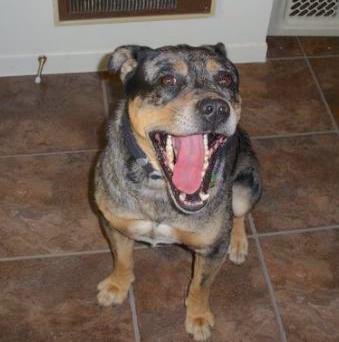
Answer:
(313, 8)
(98, 6)
(94, 9)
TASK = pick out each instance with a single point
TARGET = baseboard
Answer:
(57, 63)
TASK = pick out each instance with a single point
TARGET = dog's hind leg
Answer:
(245, 193)
(199, 318)
(114, 289)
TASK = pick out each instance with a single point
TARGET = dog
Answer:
(176, 169)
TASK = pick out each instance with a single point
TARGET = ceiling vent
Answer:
(77, 10)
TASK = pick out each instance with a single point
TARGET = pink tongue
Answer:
(189, 164)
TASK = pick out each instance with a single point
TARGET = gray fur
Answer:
(149, 199)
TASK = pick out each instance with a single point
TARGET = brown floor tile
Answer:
(239, 299)
(282, 47)
(304, 270)
(63, 112)
(55, 300)
(327, 72)
(44, 205)
(280, 97)
(300, 183)
(320, 46)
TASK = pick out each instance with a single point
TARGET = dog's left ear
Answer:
(221, 49)
(124, 59)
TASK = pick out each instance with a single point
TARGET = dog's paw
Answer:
(200, 326)
(111, 292)
(237, 250)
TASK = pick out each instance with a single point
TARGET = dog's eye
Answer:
(168, 80)
(224, 79)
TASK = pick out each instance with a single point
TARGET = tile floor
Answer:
(52, 253)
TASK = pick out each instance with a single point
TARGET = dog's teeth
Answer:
(169, 151)
(206, 156)
(203, 196)
(205, 166)
(206, 146)
(206, 142)
(182, 197)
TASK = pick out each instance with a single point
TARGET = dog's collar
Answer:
(136, 152)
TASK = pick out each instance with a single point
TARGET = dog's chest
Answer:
(152, 232)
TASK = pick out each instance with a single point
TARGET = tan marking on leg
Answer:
(114, 288)
(238, 247)
(199, 318)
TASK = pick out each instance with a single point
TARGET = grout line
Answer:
(282, 332)
(290, 135)
(298, 231)
(40, 154)
(316, 81)
(94, 150)
(66, 254)
(324, 56)
(254, 236)
(297, 58)
(131, 299)
(278, 59)
(54, 255)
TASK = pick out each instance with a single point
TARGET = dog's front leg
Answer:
(199, 318)
(114, 289)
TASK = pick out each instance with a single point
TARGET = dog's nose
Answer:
(214, 108)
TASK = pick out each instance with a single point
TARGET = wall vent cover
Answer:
(103, 9)
(305, 17)
(313, 8)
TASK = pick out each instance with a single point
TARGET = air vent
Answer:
(305, 18)
(101, 9)
(313, 8)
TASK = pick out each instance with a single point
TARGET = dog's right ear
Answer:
(124, 59)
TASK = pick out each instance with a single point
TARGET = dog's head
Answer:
(183, 104)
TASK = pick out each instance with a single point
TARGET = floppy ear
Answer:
(220, 48)
(124, 59)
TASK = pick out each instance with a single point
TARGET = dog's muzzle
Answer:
(214, 111)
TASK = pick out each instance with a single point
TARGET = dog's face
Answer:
(183, 104)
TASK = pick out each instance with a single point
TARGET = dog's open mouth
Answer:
(187, 163)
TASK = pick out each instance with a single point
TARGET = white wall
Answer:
(27, 29)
